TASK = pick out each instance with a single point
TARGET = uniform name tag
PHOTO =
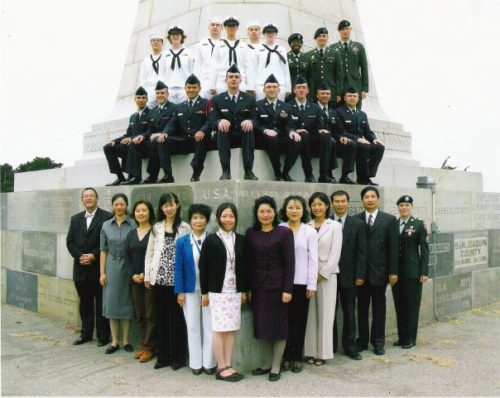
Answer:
(294, 117)
(264, 115)
(224, 110)
(348, 121)
(180, 114)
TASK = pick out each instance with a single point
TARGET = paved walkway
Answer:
(460, 356)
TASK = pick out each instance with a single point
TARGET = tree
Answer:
(38, 164)
(7, 178)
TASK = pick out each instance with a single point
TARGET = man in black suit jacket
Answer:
(232, 116)
(271, 122)
(307, 133)
(83, 242)
(382, 231)
(189, 129)
(121, 147)
(352, 266)
(354, 125)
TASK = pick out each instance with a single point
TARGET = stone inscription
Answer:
(452, 294)
(486, 211)
(57, 298)
(39, 252)
(22, 290)
(441, 255)
(494, 245)
(470, 251)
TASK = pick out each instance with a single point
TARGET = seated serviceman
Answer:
(188, 130)
(297, 62)
(232, 117)
(119, 147)
(271, 122)
(341, 145)
(306, 131)
(354, 125)
(153, 68)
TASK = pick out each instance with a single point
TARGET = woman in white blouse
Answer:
(319, 332)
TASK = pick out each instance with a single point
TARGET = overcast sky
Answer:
(436, 67)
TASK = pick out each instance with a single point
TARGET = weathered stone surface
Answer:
(64, 259)
(494, 245)
(4, 285)
(452, 294)
(39, 252)
(453, 211)
(143, 16)
(12, 249)
(485, 287)
(485, 210)
(470, 251)
(427, 304)
(3, 210)
(22, 290)
(58, 298)
(441, 255)
(422, 202)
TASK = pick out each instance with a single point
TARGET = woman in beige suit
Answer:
(319, 332)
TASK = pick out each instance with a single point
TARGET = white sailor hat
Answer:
(253, 23)
(155, 36)
(217, 20)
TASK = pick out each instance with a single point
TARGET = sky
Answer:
(436, 66)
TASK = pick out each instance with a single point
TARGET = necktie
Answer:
(321, 53)
(325, 111)
(213, 46)
(273, 51)
(156, 64)
(370, 221)
(339, 220)
(274, 106)
(345, 46)
(190, 105)
(302, 108)
(232, 51)
(234, 99)
(176, 57)
(402, 227)
(199, 242)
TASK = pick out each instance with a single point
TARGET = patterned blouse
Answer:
(165, 275)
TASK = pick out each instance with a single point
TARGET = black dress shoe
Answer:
(356, 356)
(150, 180)
(333, 180)
(167, 179)
(128, 347)
(363, 182)
(370, 182)
(195, 178)
(197, 372)
(118, 181)
(249, 175)
(131, 181)
(274, 376)
(397, 343)
(260, 371)
(310, 179)
(210, 371)
(82, 340)
(379, 350)
(177, 366)
(362, 347)
(111, 349)
(296, 367)
(226, 175)
(324, 179)
(409, 345)
(102, 342)
(286, 177)
(159, 365)
(277, 177)
(346, 180)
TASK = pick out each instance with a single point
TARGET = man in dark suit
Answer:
(83, 242)
(354, 125)
(307, 135)
(352, 266)
(413, 272)
(271, 122)
(341, 145)
(121, 147)
(232, 117)
(188, 130)
(381, 267)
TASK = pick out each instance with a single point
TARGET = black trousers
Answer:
(407, 295)
(171, 333)
(236, 138)
(348, 153)
(272, 147)
(294, 149)
(90, 293)
(175, 145)
(136, 153)
(348, 302)
(298, 310)
(374, 294)
(113, 153)
(368, 157)
(323, 145)
(143, 300)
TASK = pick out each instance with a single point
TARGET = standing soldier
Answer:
(354, 63)
(271, 59)
(204, 51)
(153, 68)
(297, 62)
(413, 271)
(324, 65)
(179, 64)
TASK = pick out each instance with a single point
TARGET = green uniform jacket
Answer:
(413, 250)
(354, 65)
(327, 69)
(297, 66)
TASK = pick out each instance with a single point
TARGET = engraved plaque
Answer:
(441, 255)
(485, 210)
(452, 294)
(494, 248)
(470, 251)
(22, 290)
(39, 252)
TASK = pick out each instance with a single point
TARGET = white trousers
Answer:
(259, 93)
(319, 330)
(177, 94)
(199, 332)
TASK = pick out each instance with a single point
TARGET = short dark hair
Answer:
(305, 212)
(148, 204)
(118, 196)
(89, 189)
(264, 200)
(199, 208)
(340, 192)
(224, 206)
(368, 189)
(170, 197)
(324, 198)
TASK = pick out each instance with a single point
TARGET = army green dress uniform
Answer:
(354, 64)
(413, 263)
(297, 63)
(324, 68)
